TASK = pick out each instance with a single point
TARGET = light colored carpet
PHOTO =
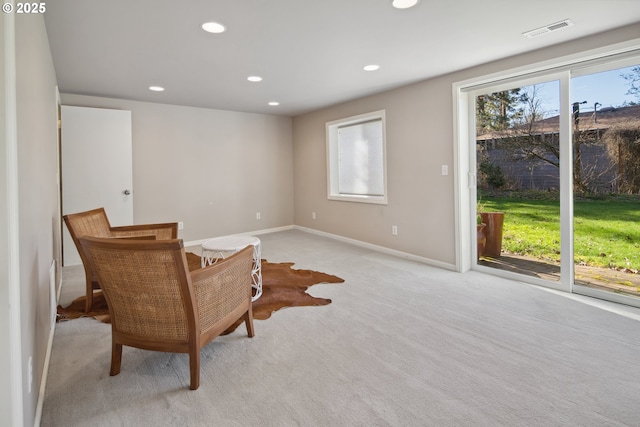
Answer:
(402, 344)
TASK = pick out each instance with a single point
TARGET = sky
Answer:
(608, 88)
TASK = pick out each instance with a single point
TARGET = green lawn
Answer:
(606, 231)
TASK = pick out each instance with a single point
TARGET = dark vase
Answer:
(482, 240)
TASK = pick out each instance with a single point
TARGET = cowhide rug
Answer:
(282, 286)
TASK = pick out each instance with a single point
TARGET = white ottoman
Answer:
(215, 249)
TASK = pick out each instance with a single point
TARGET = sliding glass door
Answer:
(554, 189)
(606, 190)
(517, 161)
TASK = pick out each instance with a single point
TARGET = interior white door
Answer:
(96, 167)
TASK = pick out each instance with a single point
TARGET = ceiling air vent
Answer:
(548, 28)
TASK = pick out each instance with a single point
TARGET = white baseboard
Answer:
(43, 382)
(53, 300)
(54, 295)
(382, 249)
(360, 243)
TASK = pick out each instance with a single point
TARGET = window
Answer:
(356, 159)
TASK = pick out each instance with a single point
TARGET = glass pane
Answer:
(518, 186)
(606, 131)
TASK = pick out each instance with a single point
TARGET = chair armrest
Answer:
(162, 231)
(221, 288)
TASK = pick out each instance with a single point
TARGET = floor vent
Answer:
(548, 28)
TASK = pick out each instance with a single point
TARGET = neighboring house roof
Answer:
(601, 120)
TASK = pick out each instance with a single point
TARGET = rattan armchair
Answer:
(156, 304)
(95, 223)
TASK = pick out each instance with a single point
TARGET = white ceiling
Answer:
(309, 52)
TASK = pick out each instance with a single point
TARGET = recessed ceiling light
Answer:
(371, 67)
(274, 103)
(213, 27)
(404, 4)
(156, 88)
(254, 78)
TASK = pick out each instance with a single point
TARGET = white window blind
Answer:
(360, 159)
(356, 158)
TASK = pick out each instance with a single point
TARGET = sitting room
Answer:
(246, 120)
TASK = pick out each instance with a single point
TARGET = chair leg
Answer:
(194, 366)
(248, 321)
(116, 358)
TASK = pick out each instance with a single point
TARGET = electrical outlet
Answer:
(445, 170)
(257, 215)
(394, 230)
(180, 225)
(313, 215)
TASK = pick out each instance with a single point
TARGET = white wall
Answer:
(5, 315)
(419, 123)
(39, 227)
(418, 142)
(211, 169)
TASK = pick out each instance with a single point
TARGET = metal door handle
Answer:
(126, 192)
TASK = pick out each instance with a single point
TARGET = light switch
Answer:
(445, 170)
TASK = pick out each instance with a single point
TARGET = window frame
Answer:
(332, 142)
